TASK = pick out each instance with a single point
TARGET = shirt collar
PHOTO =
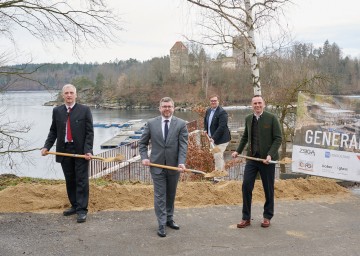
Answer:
(72, 106)
(163, 119)
(258, 116)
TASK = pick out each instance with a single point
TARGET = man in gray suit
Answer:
(169, 140)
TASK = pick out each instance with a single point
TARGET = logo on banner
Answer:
(326, 166)
(340, 168)
(306, 165)
(309, 152)
(337, 155)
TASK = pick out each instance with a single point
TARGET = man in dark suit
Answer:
(216, 126)
(72, 128)
(263, 136)
(169, 140)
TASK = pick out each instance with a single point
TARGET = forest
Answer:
(132, 83)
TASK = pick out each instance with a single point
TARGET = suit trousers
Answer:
(77, 180)
(219, 157)
(267, 174)
(165, 185)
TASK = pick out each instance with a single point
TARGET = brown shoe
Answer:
(265, 223)
(243, 224)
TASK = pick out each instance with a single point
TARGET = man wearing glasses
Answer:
(169, 141)
(215, 125)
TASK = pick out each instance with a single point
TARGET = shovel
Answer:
(213, 148)
(176, 168)
(286, 160)
(206, 175)
(118, 158)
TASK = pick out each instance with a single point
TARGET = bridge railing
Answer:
(128, 151)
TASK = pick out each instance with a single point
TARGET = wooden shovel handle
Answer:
(212, 145)
(175, 168)
(260, 160)
(72, 155)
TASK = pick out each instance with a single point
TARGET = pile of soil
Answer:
(116, 197)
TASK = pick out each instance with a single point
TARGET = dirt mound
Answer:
(116, 197)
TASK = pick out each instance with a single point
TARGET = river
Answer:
(27, 108)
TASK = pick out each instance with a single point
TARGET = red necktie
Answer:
(68, 128)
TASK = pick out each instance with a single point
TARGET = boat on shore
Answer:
(128, 132)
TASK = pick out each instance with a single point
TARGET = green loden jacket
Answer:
(270, 136)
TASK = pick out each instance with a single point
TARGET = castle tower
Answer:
(179, 58)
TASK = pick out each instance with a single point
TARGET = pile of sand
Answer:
(115, 197)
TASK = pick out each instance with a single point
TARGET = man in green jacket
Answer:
(263, 136)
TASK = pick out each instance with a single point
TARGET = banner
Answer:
(327, 136)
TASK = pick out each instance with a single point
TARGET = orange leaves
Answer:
(199, 156)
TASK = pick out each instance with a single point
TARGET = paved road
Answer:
(298, 228)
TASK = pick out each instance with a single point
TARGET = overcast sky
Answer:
(152, 27)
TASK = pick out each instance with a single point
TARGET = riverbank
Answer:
(115, 105)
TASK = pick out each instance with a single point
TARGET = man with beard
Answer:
(169, 140)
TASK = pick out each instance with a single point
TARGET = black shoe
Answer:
(81, 217)
(171, 224)
(70, 211)
(161, 231)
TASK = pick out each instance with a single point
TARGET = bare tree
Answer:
(88, 21)
(227, 20)
(80, 22)
(290, 75)
(14, 74)
(200, 65)
(11, 139)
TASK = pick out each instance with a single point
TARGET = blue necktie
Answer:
(166, 130)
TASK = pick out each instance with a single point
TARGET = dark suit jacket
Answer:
(173, 151)
(270, 136)
(81, 129)
(220, 132)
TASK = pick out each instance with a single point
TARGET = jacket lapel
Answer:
(158, 133)
(63, 113)
(249, 124)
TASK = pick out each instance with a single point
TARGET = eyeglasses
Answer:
(213, 100)
(167, 106)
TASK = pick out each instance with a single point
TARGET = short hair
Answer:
(167, 99)
(259, 96)
(68, 85)
(214, 95)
